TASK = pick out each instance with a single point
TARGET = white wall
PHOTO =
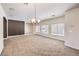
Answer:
(28, 28)
(1, 28)
(72, 28)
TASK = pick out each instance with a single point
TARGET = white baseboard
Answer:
(5, 38)
(28, 34)
(14, 36)
(71, 46)
(1, 50)
(18, 35)
(51, 36)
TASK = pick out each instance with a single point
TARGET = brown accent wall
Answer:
(15, 27)
(5, 27)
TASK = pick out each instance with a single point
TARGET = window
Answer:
(57, 29)
(54, 29)
(61, 29)
(44, 28)
(37, 28)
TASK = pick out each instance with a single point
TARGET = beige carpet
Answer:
(33, 45)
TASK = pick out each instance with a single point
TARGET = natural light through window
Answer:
(57, 29)
(44, 29)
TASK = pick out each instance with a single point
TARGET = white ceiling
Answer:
(22, 11)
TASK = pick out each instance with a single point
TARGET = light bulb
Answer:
(38, 21)
(33, 20)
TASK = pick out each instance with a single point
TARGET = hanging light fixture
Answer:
(35, 20)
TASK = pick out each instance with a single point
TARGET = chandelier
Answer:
(35, 20)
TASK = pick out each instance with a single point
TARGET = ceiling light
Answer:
(26, 3)
(35, 20)
(53, 15)
(11, 15)
(38, 21)
(11, 9)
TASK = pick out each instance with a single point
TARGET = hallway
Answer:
(35, 45)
